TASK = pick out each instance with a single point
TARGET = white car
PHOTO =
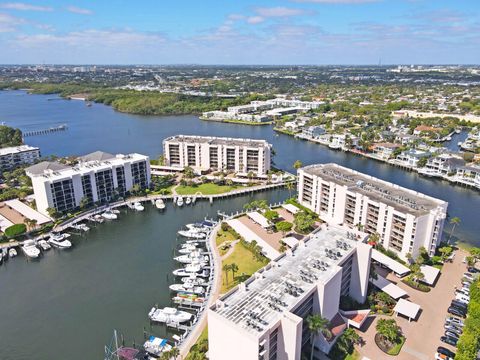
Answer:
(463, 298)
(439, 356)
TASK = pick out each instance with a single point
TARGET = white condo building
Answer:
(265, 317)
(98, 176)
(203, 153)
(405, 219)
(14, 156)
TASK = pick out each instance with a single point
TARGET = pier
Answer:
(45, 131)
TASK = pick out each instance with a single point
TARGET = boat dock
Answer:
(45, 131)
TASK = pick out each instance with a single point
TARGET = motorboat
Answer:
(188, 248)
(184, 272)
(156, 346)
(30, 250)
(81, 227)
(160, 204)
(192, 234)
(12, 252)
(188, 200)
(187, 287)
(138, 206)
(59, 241)
(115, 211)
(169, 315)
(199, 227)
(180, 201)
(109, 215)
(194, 280)
(194, 257)
(188, 299)
(44, 245)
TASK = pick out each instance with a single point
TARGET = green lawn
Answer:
(353, 356)
(246, 263)
(396, 349)
(199, 349)
(223, 236)
(205, 189)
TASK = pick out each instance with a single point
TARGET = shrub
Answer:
(224, 226)
(15, 230)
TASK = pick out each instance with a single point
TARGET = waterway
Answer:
(69, 302)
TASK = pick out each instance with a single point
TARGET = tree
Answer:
(250, 176)
(454, 221)
(226, 269)
(445, 251)
(297, 164)
(373, 239)
(283, 226)
(317, 325)
(188, 173)
(348, 339)
(234, 269)
(389, 329)
(271, 215)
(290, 186)
(417, 273)
(84, 203)
(175, 352)
(52, 212)
(303, 221)
(10, 136)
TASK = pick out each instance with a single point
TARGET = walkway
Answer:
(230, 251)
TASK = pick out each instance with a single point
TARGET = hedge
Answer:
(469, 342)
(15, 230)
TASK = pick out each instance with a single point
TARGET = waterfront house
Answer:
(313, 132)
(469, 175)
(411, 157)
(384, 150)
(443, 165)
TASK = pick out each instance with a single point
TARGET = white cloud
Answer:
(337, 1)
(77, 10)
(9, 23)
(279, 11)
(255, 19)
(25, 7)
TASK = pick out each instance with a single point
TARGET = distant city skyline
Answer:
(247, 32)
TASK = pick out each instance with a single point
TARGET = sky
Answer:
(249, 32)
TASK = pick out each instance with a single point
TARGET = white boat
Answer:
(188, 200)
(12, 252)
(194, 280)
(180, 201)
(30, 250)
(169, 315)
(160, 204)
(81, 227)
(109, 215)
(198, 227)
(195, 257)
(458, 131)
(44, 245)
(138, 206)
(156, 346)
(188, 248)
(184, 272)
(115, 211)
(59, 240)
(191, 234)
(187, 287)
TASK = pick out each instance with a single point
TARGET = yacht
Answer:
(30, 250)
(188, 299)
(188, 200)
(192, 234)
(138, 206)
(12, 252)
(169, 315)
(81, 227)
(192, 258)
(160, 204)
(59, 240)
(199, 227)
(188, 248)
(180, 201)
(44, 245)
(156, 346)
(188, 287)
(184, 272)
(109, 215)
(194, 280)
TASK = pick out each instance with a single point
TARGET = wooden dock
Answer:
(45, 131)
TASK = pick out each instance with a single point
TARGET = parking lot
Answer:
(423, 335)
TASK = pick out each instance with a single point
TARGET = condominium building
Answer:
(204, 153)
(405, 219)
(98, 177)
(265, 317)
(11, 157)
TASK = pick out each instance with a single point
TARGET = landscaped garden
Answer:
(205, 189)
(389, 336)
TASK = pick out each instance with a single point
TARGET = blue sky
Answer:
(240, 32)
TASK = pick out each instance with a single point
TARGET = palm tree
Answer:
(388, 328)
(289, 186)
(175, 352)
(234, 269)
(417, 273)
(297, 164)
(454, 221)
(317, 325)
(226, 268)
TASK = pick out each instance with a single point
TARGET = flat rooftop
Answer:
(218, 140)
(17, 149)
(281, 285)
(95, 161)
(400, 198)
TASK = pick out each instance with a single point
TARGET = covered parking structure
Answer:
(388, 287)
(430, 274)
(407, 309)
(291, 208)
(398, 268)
(259, 219)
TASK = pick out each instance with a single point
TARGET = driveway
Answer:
(423, 335)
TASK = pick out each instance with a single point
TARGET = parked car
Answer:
(449, 340)
(456, 311)
(463, 298)
(466, 284)
(459, 304)
(445, 351)
(472, 270)
(469, 276)
(455, 321)
(454, 329)
(463, 291)
(452, 334)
